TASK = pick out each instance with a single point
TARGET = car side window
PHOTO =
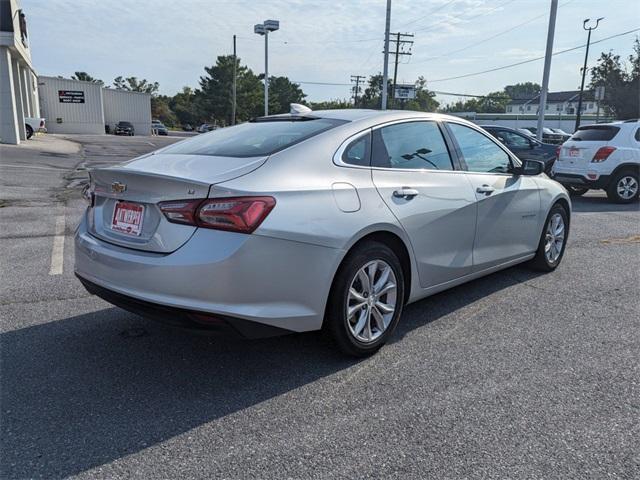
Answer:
(480, 153)
(357, 153)
(638, 135)
(515, 139)
(411, 145)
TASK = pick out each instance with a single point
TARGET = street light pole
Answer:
(547, 68)
(266, 73)
(264, 29)
(385, 66)
(584, 68)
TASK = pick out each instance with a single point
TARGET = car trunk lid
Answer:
(125, 208)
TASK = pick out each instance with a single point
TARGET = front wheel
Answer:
(624, 187)
(29, 131)
(553, 240)
(366, 299)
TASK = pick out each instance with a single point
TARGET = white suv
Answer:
(604, 156)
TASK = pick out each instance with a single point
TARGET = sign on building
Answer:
(405, 92)
(70, 96)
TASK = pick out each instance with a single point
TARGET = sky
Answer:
(170, 41)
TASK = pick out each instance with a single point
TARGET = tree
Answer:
(522, 90)
(85, 77)
(425, 100)
(185, 107)
(161, 110)
(331, 105)
(132, 84)
(282, 93)
(622, 85)
(214, 99)
(372, 96)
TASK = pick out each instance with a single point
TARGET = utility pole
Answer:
(584, 69)
(547, 68)
(356, 88)
(400, 43)
(385, 66)
(233, 88)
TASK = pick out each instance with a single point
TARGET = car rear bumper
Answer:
(270, 281)
(580, 181)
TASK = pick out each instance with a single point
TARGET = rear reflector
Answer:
(602, 154)
(235, 214)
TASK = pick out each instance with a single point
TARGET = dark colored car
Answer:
(124, 128)
(548, 135)
(187, 128)
(159, 128)
(525, 147)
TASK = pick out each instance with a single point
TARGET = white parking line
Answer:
(57, 253)
(32, 167)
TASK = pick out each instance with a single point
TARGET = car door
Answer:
(508, 205)
(413, 171)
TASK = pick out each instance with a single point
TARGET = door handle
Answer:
(485, 189)
(405, 192)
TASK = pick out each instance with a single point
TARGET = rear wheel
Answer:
(576, 191)
(29, 131)
(624, 187)
(366, 299)
(553, 240)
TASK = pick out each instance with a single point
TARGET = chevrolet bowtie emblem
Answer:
(117, 187)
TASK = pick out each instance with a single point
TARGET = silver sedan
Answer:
(309, 220)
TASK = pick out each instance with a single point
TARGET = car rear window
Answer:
(595, 133)
(254, 139)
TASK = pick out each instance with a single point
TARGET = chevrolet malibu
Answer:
(315, 219)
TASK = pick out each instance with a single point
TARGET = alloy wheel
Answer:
(627, 187)
(554, 238)
(371, 301)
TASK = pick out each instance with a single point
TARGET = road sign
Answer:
(405, 92)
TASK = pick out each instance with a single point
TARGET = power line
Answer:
(400, 42)
(485, 40)
(431, 12)
(504, 67)
(459, 17)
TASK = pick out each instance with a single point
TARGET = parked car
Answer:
(159, 128)
(548, 135)
(187, 127)
(124, 128)
(330, 219)
(604, 156)
(205, 127)
(525, 147)
(526, 132)
(565, 136)
(32, 125)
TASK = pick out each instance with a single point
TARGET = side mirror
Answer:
(532, 145)
(531, 167)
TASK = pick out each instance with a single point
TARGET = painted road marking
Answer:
(57, 253)
(34, 167)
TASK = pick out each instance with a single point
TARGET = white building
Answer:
(558, 103)
(18, 84)
(73, 106)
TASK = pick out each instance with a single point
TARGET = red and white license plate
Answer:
(574, 152)
(127, 218)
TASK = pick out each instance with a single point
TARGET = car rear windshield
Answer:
(254, 139)
(125, 124)
(595, 133)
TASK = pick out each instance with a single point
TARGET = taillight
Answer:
(558, 152)
(602, 154)
(180, 211)
(236, 214)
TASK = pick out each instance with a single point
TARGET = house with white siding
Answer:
(558, 103)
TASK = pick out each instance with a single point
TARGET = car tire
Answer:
(29, 131)
(576, 191)
(550, 252)
(372, 322)
(625, 187)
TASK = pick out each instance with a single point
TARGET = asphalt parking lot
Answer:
(517, 375)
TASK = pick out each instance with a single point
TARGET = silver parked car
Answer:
(330, 219)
